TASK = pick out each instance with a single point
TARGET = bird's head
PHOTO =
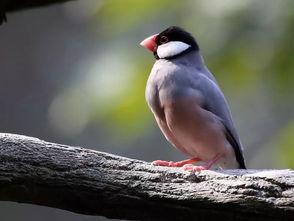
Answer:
(170, 43)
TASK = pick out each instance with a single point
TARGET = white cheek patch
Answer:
(171, 48)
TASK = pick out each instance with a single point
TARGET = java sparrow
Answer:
(188, 104)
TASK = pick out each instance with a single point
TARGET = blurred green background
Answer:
(75, 74)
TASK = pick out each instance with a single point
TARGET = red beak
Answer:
(149, 43)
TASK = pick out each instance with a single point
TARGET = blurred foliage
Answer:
(122, 15)
(285, 141)
(131, 107)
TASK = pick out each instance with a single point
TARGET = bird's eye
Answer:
(163, 39)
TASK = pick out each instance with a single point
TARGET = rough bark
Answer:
(15, 5)
(96, 183)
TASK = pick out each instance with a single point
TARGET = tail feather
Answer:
(237, 149)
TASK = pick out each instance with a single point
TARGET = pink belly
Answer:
(197, 130)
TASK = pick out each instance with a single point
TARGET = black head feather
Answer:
(175, 33)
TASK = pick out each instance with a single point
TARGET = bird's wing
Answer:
(215, 102)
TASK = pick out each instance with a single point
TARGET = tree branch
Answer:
(96, 183)
(15, 5)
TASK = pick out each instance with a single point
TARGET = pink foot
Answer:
(174, 164)
(192, 168)
(207, 166)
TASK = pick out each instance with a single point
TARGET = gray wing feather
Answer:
(215, 102)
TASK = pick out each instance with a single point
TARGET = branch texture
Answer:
(96, 183)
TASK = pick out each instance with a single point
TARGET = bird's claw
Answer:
(164, 163)
(192, 168)
(174, 164)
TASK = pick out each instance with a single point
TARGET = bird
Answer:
(189, 106)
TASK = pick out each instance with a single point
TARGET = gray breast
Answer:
(169, 81)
